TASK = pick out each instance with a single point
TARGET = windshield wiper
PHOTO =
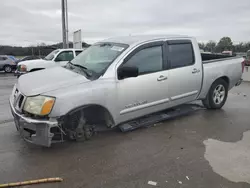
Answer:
(84, 69)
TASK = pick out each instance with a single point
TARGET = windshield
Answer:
(99, 56)
(51, 55)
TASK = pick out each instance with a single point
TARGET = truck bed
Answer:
(209, 57)
(230, 68)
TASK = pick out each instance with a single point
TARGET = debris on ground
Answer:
(47, 180)
(152, 183)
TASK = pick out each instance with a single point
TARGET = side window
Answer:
(65, 56)
(180, 55)
(147, 60)
(78, 52)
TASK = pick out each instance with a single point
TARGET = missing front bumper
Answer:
(39, 132)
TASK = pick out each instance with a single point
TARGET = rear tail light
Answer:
(243, 65)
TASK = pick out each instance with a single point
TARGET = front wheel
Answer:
(217, 95)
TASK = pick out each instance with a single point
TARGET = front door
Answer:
(148, 92)
(64, 57)
(185, 72)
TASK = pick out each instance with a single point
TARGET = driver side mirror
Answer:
(127, 72)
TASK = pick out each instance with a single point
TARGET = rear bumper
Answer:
(239, 82)
(39, 132)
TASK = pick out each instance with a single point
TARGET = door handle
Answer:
(160, 78)
(195, 71)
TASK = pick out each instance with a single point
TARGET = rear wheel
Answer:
(217, 95)
(7, 69)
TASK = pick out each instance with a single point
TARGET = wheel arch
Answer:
(225, 78)
(95, 114)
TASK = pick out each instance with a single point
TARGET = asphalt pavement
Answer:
(177, 153)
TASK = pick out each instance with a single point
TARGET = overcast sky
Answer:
(26, 22)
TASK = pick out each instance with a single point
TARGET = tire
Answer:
(7, 69)
(217, 95)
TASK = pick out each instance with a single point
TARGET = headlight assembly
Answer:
(23, 68)
(39, 105)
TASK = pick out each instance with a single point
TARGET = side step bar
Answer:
(151, 119)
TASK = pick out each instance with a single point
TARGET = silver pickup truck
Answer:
(117, 82)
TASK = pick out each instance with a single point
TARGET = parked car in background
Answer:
(7, 64)
(59, 57)
(32, 57)
(13, 58)
(118, 82)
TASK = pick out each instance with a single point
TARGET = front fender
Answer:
(82, 95)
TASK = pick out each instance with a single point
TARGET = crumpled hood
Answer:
(42, 81)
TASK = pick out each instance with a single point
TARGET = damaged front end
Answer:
(45, 130)
(37, 130)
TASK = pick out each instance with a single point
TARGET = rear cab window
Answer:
(180, 53)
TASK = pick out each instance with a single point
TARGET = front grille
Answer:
(18, 100)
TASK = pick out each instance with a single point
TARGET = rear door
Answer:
(3, 61)
(185, 71)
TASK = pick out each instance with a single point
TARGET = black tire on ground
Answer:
(217, 95)
(7, 69)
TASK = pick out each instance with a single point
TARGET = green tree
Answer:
(202, 45)
(225, 43)
(210, 46)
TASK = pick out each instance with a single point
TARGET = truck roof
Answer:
(141, 38)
